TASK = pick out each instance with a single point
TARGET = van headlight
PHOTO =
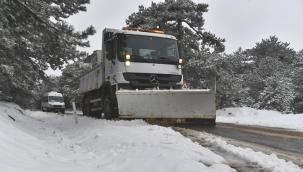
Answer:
(50, 105)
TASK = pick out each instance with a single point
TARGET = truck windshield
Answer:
(148, 49)
(55, 99)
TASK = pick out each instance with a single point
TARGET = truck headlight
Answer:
(50, 105)
(179, 66)
(127, 63)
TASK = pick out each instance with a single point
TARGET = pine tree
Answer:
(274, 48)
(278, 91)
(34, 36)
(270, 85)
(297, 78)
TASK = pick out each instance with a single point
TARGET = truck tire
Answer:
(63, 111)
(108, 109)
(87, 111)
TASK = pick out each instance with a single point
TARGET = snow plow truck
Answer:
(137, 75)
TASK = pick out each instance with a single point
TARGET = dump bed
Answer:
(93, 78)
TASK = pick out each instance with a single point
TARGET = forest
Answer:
(34, 36)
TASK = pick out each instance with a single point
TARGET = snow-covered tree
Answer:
(232, 91)
(270, 84)
(35, 35)
(278, 90)
(297, 78)
(181, 18)
(274, 48)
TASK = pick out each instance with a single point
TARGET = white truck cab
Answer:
(131, 57)
(53, 101)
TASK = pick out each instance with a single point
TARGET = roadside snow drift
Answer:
(249, 116)
(38, 141)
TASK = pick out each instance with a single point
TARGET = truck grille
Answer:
(57, 106)
(143, 79)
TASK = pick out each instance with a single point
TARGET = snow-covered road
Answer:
(38, 141)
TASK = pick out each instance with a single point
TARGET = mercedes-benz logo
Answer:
(154, 79)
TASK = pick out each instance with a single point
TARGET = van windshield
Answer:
(55, 99)
(148, 49)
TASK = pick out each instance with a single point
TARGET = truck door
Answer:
(110, 60)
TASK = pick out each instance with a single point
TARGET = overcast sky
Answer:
(242, 23)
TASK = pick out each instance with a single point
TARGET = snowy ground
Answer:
(38, 141)
(249, 116)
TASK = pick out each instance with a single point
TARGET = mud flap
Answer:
(177, 104)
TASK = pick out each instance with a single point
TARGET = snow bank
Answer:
(39, 141)
(249, 116)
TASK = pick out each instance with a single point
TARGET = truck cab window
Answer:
(111, 50)
(148, 49)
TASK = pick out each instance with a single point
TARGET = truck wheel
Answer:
(63, 111)
(86, 111)
(108, 109)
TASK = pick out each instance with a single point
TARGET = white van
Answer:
(53, 101)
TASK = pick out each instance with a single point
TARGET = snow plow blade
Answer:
(180, 105)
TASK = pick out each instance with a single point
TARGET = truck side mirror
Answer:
(108, 50)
